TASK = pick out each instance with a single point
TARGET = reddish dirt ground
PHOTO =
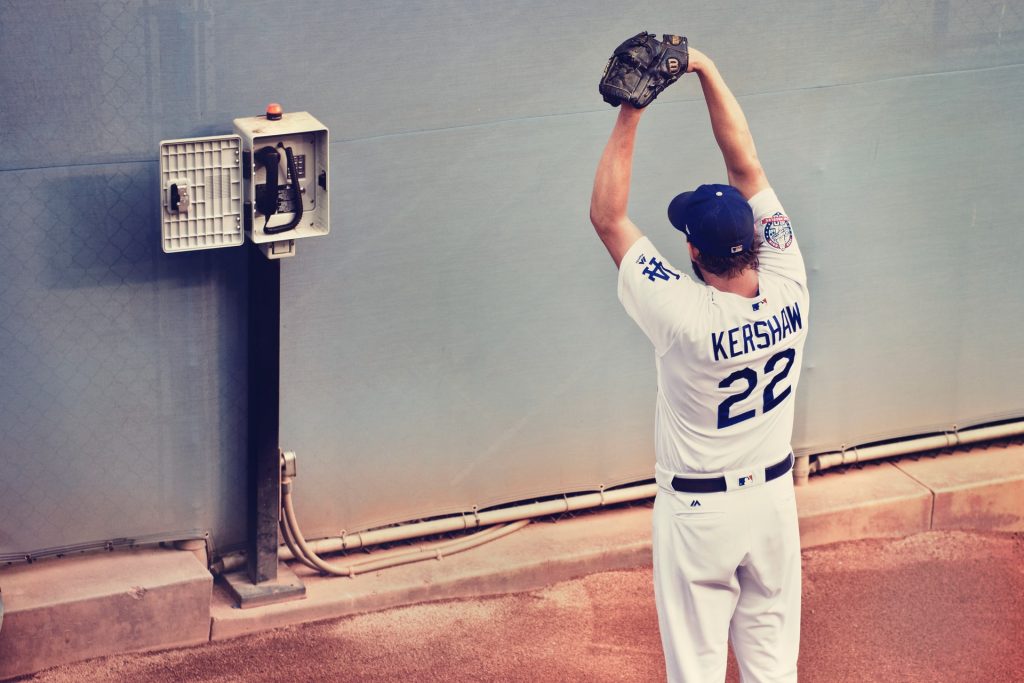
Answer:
(938, 606)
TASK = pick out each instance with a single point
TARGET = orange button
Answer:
(274, 111)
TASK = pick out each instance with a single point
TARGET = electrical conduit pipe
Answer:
(924, 443)
(397, 556)
(479, 519)
(626, 494)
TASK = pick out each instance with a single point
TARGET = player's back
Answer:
(727, 366)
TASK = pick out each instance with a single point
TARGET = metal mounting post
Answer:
(264, 581)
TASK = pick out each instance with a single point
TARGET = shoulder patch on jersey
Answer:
(778, 231)
(657, 269)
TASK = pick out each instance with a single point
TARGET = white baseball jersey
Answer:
(727, 366)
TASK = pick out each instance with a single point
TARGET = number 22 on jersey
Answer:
(746, 380)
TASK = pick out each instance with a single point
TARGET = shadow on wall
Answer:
(102, 229)
(125, 366)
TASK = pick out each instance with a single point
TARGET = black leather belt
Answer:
(717, 484)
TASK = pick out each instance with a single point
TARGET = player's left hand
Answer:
(642, 67)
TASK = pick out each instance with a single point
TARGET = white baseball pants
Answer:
(728, 568)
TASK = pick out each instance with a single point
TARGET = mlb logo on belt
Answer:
(749, 479)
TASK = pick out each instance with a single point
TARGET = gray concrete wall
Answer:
(456, 340)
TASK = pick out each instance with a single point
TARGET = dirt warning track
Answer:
(938, 606)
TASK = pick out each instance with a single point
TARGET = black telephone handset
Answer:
(266, 200)
(266, 196)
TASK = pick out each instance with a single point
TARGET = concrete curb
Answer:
(978, 490)
(538, 555)
(61, 611)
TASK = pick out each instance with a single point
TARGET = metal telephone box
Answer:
(268, 181)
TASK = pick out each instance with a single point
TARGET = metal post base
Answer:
(286, 586)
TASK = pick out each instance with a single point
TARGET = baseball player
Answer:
(728, 350)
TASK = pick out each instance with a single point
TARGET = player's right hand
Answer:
(698, 61)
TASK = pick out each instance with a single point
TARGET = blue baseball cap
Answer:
(715, 218)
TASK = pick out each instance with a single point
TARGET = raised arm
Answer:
(610, 197)
(730, 127)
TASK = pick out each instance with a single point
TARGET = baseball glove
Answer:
(642, 67)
